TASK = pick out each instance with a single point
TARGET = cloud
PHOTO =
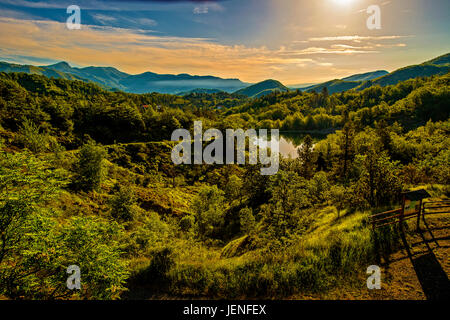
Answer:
(147, 22)
(34, 4)
(200, 10)
(207, 7)
(334, 49)
(104, 19)
(358, 38)
(114, 5)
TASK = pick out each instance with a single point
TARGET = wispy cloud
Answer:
(147, 22)
(104, 19)
(201, 10)
(205, 8)
(358, 38)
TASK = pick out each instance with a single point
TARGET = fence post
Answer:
(402, 213)
(418, 215)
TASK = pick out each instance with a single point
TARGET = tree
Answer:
(382, 130)
(337, 195)
(233, 188)
(379, 183)
(305, 155)
(247, 220)
(289, 193)
(346, 145)
(209, 207)
(318, 185)
(89, 167)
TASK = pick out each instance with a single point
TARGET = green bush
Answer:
(122, 205)
(89, 167)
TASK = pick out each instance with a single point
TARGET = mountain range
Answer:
(182, 84)
(113, 79)
(437, 66)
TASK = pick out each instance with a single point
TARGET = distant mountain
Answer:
(334, 86)
(112, 78)
(347, 83)
(301, 86)
(440, 61)
(437, 66)
(262, 88)
(11, 67)
(366, 76)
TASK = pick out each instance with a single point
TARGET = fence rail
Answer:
(436, 207)
(397, 216)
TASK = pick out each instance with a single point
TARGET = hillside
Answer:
(334, 86)
(48, 72)
(366, 76)
(422, 70)
(437, 66)
(263, 88)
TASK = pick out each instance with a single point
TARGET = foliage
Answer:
(209, 207)
(122, 205)
(89, 167)
(36, 249)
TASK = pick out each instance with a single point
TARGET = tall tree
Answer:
(346, 145)
(305, 155)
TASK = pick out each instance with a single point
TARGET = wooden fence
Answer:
(397, 216)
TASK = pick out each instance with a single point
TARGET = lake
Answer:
(290, 142)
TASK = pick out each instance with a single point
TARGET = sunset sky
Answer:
(294, 41)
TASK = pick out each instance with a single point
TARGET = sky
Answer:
(293, 41)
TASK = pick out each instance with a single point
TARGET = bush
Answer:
(187, 223)
(122, 205)
(158, 269)
(89, 167)
(209, 207)
(31, 138)
(247, 220)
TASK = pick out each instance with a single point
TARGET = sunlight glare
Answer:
(343, 2)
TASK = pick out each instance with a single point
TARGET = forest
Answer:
(86, 178)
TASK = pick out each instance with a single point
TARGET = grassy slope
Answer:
(204, 272)
(300, 272)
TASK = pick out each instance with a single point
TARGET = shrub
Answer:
(31, 138)
(247, 220)
(122, 205)
(89, 167)
(187, 223)
(209, 207)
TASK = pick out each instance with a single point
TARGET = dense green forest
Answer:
(86, 179)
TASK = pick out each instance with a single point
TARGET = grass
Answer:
(330, 252)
